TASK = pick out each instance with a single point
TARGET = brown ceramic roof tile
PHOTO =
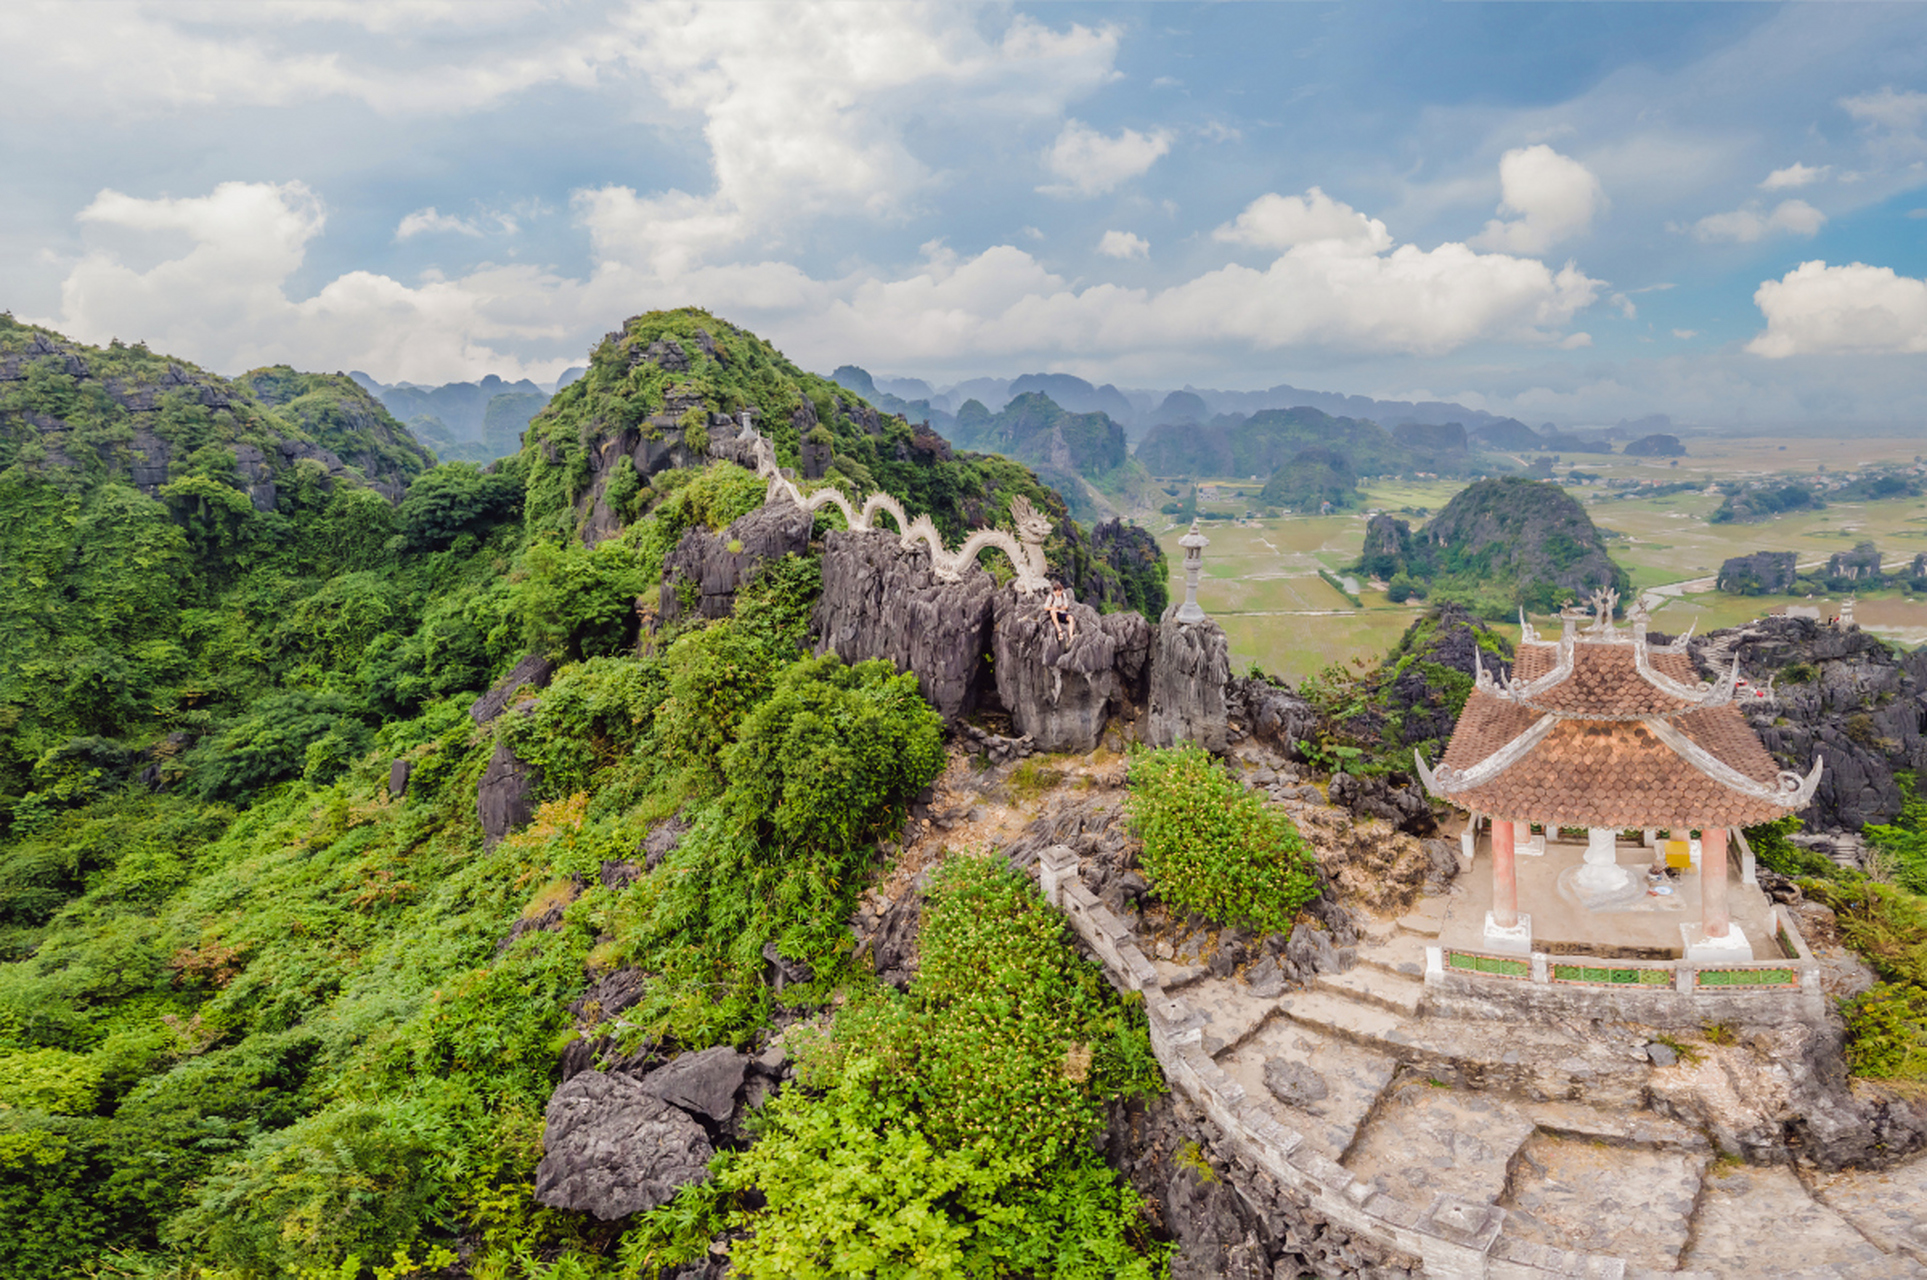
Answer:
(1613, 774)
(1605, 682)
(1609, 772)
(1486, 724)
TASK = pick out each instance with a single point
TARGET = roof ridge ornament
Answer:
(1445, 779)
(1603, 601)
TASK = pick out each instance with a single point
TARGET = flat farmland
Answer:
(1261, 578)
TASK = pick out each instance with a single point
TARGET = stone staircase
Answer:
(1541, 1122)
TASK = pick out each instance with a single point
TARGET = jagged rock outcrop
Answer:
(612, 1148)
(1841, 694)
(1062, 696)
(1762, 573)
(534, 670)
(703, 1083)
(880, 601)
(1269, 712)
(1190, 664)
(719, 564)
(505, 797)
(1862, 564)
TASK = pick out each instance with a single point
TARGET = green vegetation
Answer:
(259, 1017)
(947, 1131)
(1498, 545)
(1312, 478)
(1260, 444)
(1745, 504)
(1212, 845)
(1034, 429)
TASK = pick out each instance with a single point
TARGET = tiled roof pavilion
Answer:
(1602, 730)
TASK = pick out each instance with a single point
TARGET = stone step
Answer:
(1340, 1016)
(1425, 1140)
(1392, 992)
(1420, 925)
(1758, 1220)
(1328, 1091)
(1616, 1127)
(1580, 1195)
(1400, 953)
(1889, 1206)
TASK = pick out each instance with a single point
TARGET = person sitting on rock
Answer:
(1062, 620)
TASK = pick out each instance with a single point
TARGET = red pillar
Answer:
(1713, 913)
(1505, 882)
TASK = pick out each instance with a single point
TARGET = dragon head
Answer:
(1031, 524)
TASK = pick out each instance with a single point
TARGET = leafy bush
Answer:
(950, 1133)
(1887, 1033)
(458, 498)
(1212, 845)
(576, 602)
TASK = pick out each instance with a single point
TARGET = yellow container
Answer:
(1679, 854)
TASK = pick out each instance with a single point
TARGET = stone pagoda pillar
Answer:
(1506, 928)
(1716, 937)
(1194, 544)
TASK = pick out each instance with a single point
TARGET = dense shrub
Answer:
(946, 1132)
(1212, 845)
(458, 498)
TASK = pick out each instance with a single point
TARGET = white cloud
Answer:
(1278, 222)
(1744, 226)
(1816, 308)
(1900, 110)
(1124, 244)
(249, 240)
(426, 221)
(1627, 310)
(1686, 334)
(1554, 196)
(1795, 175)
(1091, 163)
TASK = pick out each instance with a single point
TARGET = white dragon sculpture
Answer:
(1026, 550)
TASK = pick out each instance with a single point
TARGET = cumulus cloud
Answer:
(1273, 221)
(1554, 197)
(1795, 175)
(1818, 309)
(249, 241)
(1124, 244)
(426, 221)
(1091, 163)
(1686, 334)
(1744, 226)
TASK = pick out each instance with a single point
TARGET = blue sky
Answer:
(1569, 212)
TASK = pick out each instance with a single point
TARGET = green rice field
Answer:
(1261, 578)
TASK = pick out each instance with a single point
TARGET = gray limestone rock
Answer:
(1662, 1055)
(1062, 695)
(1190, 665)
(881, 601)
(1266, 979)
(533, 670)
(398, 772)
(701, 1083)
(1270, 712)
(505, 797)
(718, 564)
(1294, 1083)
(1311, 950)
(612, 1148)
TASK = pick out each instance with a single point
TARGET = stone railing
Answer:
(1025, 551)
(1451, 1238)
(1655, 992)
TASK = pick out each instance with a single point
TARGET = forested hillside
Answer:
(272, 1000)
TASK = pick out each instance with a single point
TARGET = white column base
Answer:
(1704, 950)
(1516, 940)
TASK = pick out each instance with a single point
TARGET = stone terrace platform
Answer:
(1649, 928)
(1482, 1146)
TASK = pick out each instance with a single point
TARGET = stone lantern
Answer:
(1194, 544)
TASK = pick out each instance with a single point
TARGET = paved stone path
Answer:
(1369, 1083)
